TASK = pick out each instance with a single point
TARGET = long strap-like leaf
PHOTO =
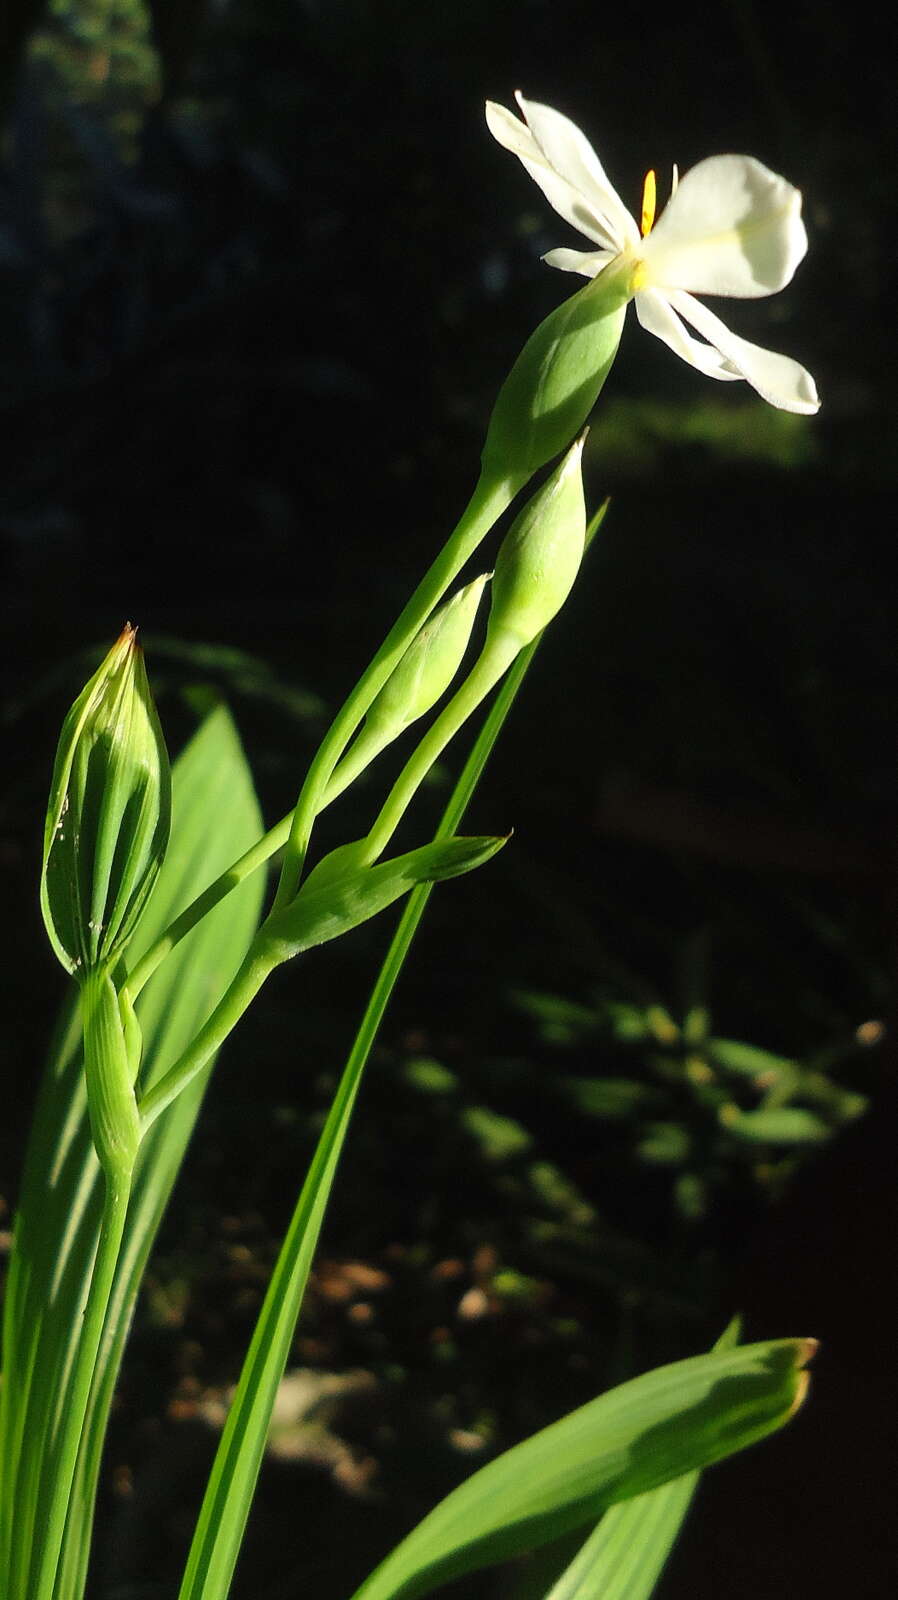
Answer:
(59, 1210)
(623, 1557)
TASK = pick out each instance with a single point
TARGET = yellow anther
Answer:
(648, 202)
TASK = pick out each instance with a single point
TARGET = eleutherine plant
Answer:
(156, 916)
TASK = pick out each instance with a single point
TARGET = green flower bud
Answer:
(109, 813)
(416, 683)
(540, 556)
(556, 379)
(430, 662)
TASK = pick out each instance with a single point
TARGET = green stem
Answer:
(219, 1530)
(61, 1462)
(251, 975)
(243, 867)
(373, 739)
(358, 757)
(490, 498)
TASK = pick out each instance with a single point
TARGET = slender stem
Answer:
(373, 739)
(254, 969)
(222, 1519)
(62, 1462)
(246, 864)
(243, 867)
(490, 497)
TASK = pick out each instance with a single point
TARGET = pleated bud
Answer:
(540, 555)
(109, 814)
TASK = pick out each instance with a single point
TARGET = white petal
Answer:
(778, 379)
(587, 212)
(587, 262)
(658, 317)
(732, 227)
(570, 153)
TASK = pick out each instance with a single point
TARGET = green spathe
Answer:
(540, 555)
(109, 813)
(556, 379)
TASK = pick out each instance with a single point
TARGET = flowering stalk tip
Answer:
(731, 227)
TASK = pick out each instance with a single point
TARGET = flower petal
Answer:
(778, 379)
(587, 262)
(657, 316)
(568, 172)
(571, 154)
(733, 227)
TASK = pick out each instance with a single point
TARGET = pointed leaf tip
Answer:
(339, 896)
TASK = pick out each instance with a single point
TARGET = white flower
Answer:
(731, 227)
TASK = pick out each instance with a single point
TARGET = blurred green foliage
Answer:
(636, 436)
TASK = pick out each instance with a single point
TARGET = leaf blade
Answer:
(60, 1201)
(627, 1442)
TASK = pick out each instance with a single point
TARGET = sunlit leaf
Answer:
(59, 1208)
(632, 1439)
(332, 904)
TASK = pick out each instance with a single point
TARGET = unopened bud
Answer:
(430, 662)
(556, 379)
(540, 555)
(109, 813)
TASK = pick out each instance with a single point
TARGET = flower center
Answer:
(648, 203)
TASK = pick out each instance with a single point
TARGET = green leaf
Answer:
(664, 1144)
(612, 1098)
(500, 1138)
(750, 1060)
(324, 910)
(60, 1201)
(631, 1440)
(778, 1125)
(623, 1557)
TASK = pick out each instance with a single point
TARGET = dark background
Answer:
(262, 270)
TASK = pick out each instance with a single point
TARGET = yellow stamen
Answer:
(648, 202)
